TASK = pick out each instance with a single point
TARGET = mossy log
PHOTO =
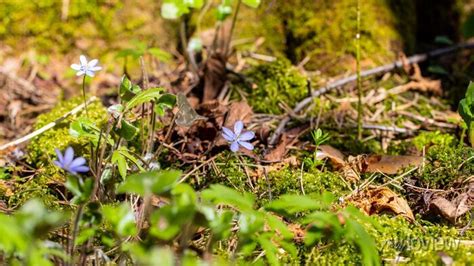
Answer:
(323, 31)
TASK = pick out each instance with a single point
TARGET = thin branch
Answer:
(370, 72)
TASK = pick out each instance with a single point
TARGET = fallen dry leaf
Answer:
(214, 76)
(387, 164)
(455, 208)
(279, 151)
(391, 164)
(333, 154)
(375, 200)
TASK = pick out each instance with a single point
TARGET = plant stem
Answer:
(84, 94)
(77, 219)
(471, 133)
(234, 21)
(359, 78)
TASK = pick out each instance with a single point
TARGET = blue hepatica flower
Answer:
(238, 137)
(68, 163)
(86, 67)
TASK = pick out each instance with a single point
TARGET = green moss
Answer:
(287, 180)
(275, 83)
(395, 236)
(324, 31)
(436, 138)
(446, 165)
(41, 150)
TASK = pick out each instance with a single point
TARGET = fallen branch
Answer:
(374, 71)
(48, 126)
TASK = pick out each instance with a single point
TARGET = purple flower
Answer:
(68, 163)
(238, 137)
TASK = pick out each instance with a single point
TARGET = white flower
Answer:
(87, 68)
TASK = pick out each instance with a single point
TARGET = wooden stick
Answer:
(370, 72)
(48, 126)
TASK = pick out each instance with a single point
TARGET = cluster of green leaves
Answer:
(466, 110)
(173, 9)
(22, 235)
(318, 138)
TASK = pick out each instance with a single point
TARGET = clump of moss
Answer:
(395, 236)
(446, 165)
(287, 180)
(276, 82)
(41, 148)
(41, 152)
(436, 138)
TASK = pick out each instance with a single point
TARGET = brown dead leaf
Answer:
(375, 200)
(333, 154)
(238, 111)
(391, 164)
(279, 151)
(455, 208)
(214, 76)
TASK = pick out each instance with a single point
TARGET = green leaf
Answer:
(81, 189)
(443, 39)
(466, 105)
(279, 226)
(470, 94)
(143, 97)
(164, 226)
(122, 219)
(127, 131)
(160, 54)
(127, 89)
(436, 69)
(468, 27)
(252, 3)
(271, 250)
(146, 183)
(223, 11)
(167, 101)
(84, 235)
(121, 162)
(366, 244)
(292, 204)
(220, 194)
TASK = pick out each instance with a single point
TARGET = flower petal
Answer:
(228, 134)
(58, 164)
(79, 161)
(80, 73)
(238, 126)
(246, 145)
(76, 67)
(95, 68)
(60, 155)
(79, 169)
(247, 135)
(90, 73)
(234, 146)
(68, 156)
(92, 63)
(83, 60)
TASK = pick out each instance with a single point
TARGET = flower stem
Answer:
(359, 78)
(84, 94)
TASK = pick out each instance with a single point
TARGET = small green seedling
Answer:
(318, 138)
(466, 110)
